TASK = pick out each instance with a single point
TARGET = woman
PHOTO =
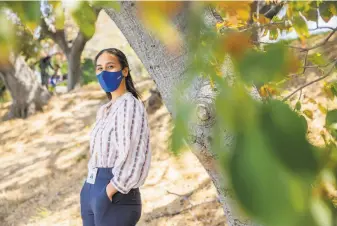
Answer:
(119, 147)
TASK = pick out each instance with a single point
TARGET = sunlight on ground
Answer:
(44, 164)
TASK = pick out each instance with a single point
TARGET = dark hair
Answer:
(124, 63)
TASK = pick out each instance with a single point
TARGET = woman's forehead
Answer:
(107, 58)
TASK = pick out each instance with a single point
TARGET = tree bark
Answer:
(28, 95)
(167, 71)
(74, 61)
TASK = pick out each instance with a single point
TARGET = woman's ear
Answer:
(125, 71)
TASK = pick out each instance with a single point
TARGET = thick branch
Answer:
(58, 36)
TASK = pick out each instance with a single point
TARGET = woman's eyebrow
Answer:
(110, 62)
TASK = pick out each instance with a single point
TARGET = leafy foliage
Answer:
(276, 173)
(88, 69)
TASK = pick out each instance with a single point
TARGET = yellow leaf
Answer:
(166, 8)
(59, 17)
(7, 35)
(155, 16)
(333, 9)
(268, 91)
(243, 14)
(211, 82)
(312, 101)
(308, 113)
(237, 11)
(219, 25)
(327, 88)
(218, 71)
(322, 109)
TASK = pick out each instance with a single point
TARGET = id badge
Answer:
(92, 176)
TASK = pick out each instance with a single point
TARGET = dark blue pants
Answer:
(98, 210)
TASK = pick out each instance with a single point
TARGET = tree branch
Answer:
(58, 36)
(318, 27)
(79, 43)
(316, 46)
(312, 82)
(216, 15)
(311, 66)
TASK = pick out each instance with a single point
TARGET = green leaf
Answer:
(59, 15)
(331, 117)
(28, 12)
(286, 133)
(334, 88)
(311, 15)
(184, 115)
(310, 12)
(326, 10)
(321, 212)
(273, 34)
(331, 122)
(263, 67)
(233, 115)
(301, 27)
(7, 36)
(317, 59)
(298, 106)
(107, 4)
(262, 186)
(85, 18)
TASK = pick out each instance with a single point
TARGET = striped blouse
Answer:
(120, 139)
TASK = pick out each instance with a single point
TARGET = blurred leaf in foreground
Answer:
(156, 16)
(331, 122)
(6, 37)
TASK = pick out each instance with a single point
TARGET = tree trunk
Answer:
(167, 71)
(74, 68)
(73, 53)
(28, 95)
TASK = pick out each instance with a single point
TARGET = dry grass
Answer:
(43, 165)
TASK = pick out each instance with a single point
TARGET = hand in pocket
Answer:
(106, 192)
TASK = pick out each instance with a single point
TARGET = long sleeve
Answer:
(131, 165)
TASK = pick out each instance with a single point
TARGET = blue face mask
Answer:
(110, 81)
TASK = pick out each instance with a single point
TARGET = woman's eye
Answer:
(99, 69)
(110, 67)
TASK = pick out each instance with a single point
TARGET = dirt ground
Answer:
(43, 165)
